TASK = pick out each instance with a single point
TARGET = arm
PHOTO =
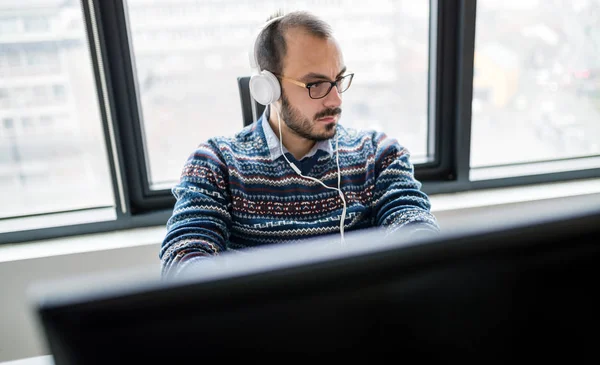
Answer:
(398, 202)
(200, 224)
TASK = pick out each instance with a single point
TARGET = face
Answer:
(311, 59)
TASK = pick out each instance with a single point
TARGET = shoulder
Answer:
(218, 148)
(378, 141)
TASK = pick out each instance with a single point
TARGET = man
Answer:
(296, 172)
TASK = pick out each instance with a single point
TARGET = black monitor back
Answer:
(504, 292)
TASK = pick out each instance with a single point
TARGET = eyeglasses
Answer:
(320, 89)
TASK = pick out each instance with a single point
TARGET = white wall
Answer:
(19, 335)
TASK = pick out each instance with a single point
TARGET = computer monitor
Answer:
(504, 287)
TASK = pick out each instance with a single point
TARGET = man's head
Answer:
(299, 48)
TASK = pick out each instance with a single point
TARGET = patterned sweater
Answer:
(232, 195)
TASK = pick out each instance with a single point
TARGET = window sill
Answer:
(510, 195)
(446, 203)
(83, 243)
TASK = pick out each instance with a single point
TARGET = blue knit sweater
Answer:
(232, 195)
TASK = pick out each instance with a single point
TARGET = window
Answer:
(27, 123)
(177, 56)
(12, 56)
(99, 116)
(50, 171)
(9, 25)
(4, 98)
(59, 93)
(40, 95)
(36, 24)
(8, 124)
(41, 59)
(536, 92)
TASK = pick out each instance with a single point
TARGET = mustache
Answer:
(328, 113)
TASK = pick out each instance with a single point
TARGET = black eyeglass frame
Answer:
(312, 84)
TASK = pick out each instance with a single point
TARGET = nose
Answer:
(333, 99)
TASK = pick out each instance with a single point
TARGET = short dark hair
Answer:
(271, 42)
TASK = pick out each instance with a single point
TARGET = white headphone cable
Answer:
(297, 170)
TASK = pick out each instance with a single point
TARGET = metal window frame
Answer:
(119, 136)
(452, 46)
(117, 45)
(454, 95)
(443, 41)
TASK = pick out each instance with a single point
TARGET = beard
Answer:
(304, 127)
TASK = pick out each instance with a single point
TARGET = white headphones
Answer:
(264, 86)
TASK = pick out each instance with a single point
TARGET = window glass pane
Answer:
(189, 54)
(536, 86)
(52, 151)
(9, 24)
(36, 23)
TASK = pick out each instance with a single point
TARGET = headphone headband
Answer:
(264, 86)
(254, 51)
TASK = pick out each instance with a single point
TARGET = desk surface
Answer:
(38, 360)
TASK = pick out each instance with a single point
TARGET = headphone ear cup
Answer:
(265, 88)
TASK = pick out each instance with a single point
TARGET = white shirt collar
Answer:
(275, 147)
